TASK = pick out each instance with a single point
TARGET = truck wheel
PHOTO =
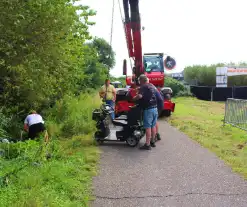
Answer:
(166, 113)
(160, 113)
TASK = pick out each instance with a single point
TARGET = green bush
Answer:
(73, 115)
(4, 124)
(44, 59)
(65, 178)
(185, 93)
(175, 85)
(45, 53)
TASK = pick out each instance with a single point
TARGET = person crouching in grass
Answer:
(34, 124)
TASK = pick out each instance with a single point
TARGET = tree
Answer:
(94, 71)
(105, 53)
(41, 56)
(99, 58)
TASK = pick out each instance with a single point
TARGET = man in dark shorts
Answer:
(147, 101)
(160, 106)
(34, 124)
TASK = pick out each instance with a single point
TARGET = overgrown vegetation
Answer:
(174, 84)
(44, 54)
(4, 124)
(178, 88)
(202, 121)
(205, 75)
(50, 63)
(185, 93)
(59, 173)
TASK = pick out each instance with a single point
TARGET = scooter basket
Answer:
(96, 114)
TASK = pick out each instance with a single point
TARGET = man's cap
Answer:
(143, 78)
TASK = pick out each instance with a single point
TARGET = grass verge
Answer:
(63, 179)
(202, 121)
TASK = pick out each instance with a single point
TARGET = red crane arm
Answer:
(132, 25)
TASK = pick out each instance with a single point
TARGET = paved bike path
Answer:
(178, 173)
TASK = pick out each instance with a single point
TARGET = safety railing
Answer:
(236, 113)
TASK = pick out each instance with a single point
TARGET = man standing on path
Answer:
(147, 101)
(160, 107)
(108, 94)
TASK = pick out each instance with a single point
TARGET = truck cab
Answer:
(117, 84)
(154, 68)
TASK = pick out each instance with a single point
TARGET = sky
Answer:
(191, 31)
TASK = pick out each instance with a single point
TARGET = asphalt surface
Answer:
(178, 172)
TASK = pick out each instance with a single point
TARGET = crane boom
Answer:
(151, 64)
(132, 26)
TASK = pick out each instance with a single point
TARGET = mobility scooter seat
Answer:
(120, 122)
(122, 117)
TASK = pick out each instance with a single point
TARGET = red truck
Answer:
(150, 64)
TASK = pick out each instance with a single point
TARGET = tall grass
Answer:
(4, 122)
(65, 178)
(73, 116)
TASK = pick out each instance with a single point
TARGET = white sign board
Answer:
(236, 71)
(223, 72)
(221, 77)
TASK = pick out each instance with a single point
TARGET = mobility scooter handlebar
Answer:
(131, 107)
(106, 108)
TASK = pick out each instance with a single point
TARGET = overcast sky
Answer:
(191, 31)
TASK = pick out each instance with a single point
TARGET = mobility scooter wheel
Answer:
(132, 141)
(97, 138)
(99, 141)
